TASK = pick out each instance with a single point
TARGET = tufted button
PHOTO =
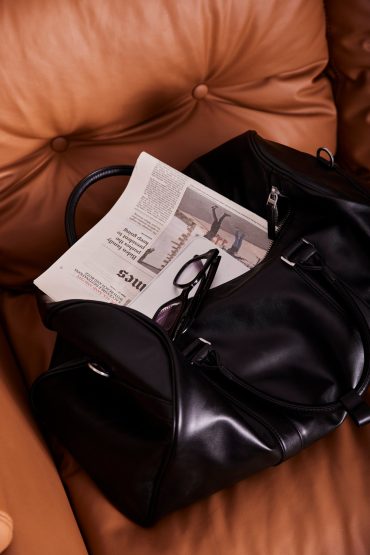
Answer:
(200, 91)
(59, 144)
(366, 45)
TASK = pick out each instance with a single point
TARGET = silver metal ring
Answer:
(327, 161)
(98, 369)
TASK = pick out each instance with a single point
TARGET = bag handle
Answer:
(80, 188)
(303, 256)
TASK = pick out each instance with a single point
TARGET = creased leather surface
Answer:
(349, 43)
(315, 503)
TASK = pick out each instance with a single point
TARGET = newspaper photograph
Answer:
(160, 212)
(198, 216)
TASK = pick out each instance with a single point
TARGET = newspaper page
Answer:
(162, 288)
(158, 214)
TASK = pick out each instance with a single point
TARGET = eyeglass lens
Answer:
(167, 315)
(173, 315)
(194, 269)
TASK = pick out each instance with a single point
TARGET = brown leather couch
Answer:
(87, 83)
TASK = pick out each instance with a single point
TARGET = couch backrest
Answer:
(88, 83)
(348, 33)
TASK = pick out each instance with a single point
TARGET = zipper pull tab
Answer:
(272, 212)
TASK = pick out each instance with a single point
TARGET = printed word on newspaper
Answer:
(160, 212)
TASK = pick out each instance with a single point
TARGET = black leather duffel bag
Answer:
(158, 424)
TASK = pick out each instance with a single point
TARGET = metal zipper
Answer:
(274, 227)
(240, 281)
(272, 212)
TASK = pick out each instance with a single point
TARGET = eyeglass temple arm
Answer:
(195, 303)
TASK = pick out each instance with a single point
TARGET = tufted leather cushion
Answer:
(88, 83)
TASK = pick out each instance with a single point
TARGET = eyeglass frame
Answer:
(189, 310)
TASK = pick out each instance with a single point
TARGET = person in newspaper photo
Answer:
(216, 224)
(238, 241)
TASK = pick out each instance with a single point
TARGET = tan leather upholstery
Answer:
(6, 530)
(89, 83)
(32, 498)
(349, 41)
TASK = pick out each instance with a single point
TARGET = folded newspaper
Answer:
(160, 213)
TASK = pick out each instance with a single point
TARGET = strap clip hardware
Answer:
(300, 252)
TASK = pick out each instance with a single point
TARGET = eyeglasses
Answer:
(176, 316)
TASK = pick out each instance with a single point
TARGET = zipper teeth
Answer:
(275, 242)
(260, 154)
(241, 280)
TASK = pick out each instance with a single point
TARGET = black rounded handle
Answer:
(81, 187)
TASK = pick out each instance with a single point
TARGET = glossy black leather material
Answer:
(164, 424)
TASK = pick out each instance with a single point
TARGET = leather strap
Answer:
(78, 191)
(303, 256)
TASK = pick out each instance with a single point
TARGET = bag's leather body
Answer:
(166, 424)
(91, 84)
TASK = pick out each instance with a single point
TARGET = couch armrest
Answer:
(348, 32)
(30, 488)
